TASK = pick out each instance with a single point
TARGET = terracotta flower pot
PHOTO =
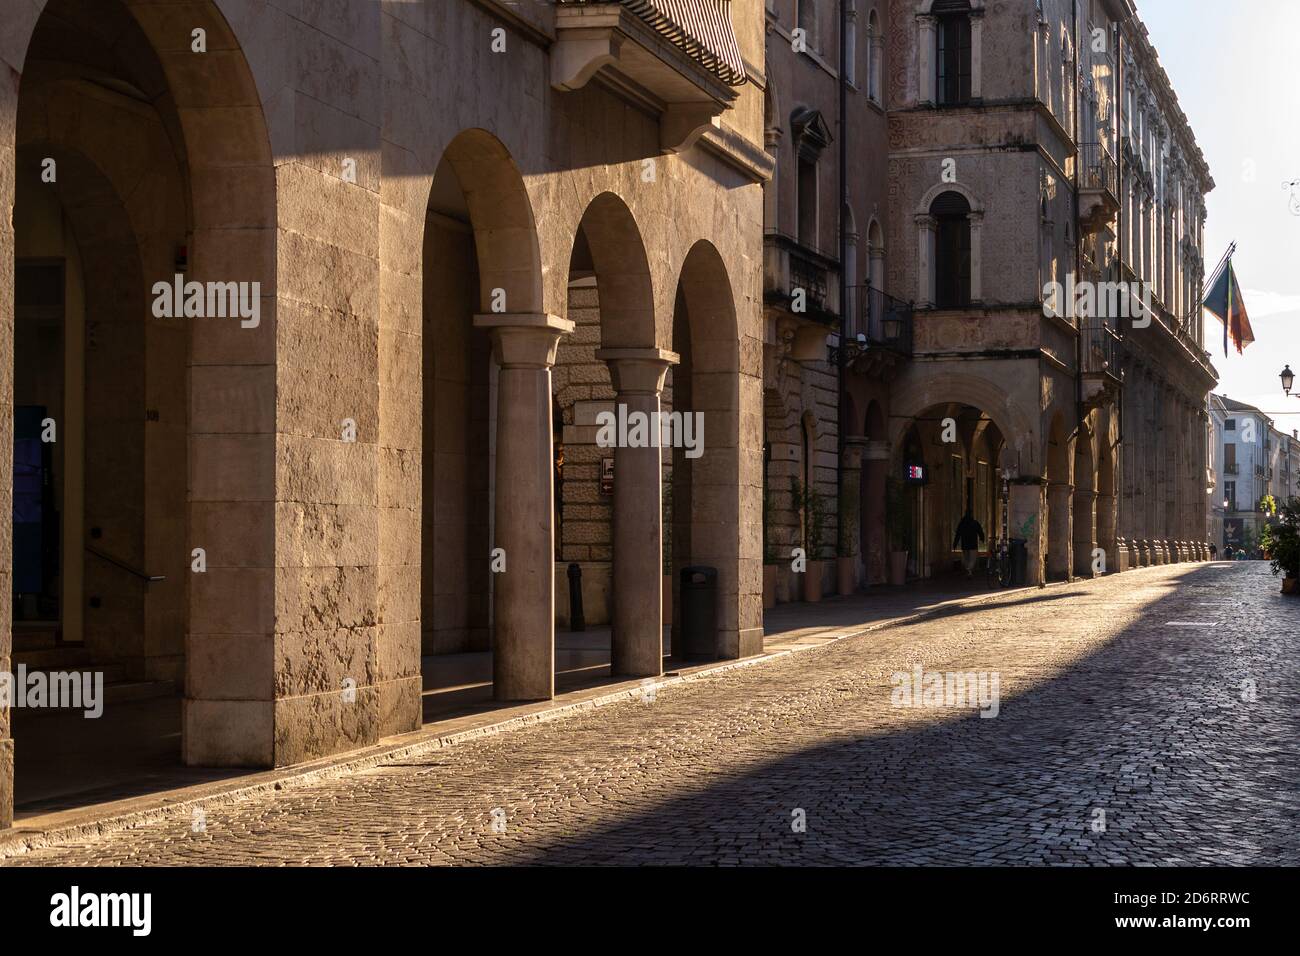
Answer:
(1290, 585)
(846, 570)
(898, 568)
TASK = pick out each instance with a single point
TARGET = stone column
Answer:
(926, 27)
(1060, 497)
(875, 471)
(637, 646)
(976, 220)
(850, 501)
(976, 53)
(1085, 533)
(925, 279)
(1026, 517)
(1106, 539)
(523, 659)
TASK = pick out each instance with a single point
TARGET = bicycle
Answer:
(998, 566)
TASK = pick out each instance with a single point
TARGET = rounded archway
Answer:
(485, 349)
(145, 333)
(949, 460)
(716, 475)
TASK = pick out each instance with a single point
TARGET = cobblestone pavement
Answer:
(1126, 701)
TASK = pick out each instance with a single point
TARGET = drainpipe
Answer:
(1078, 231)
(840, 353)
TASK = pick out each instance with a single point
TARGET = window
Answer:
(811, 136)
(807, 201)
(1230, 425)
(806, 20)
(953, 52)
(875, 56)
(1230, 495)
(952, 251)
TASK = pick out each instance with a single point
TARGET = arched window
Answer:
(952, 251)
(952, 52)
(875, 57)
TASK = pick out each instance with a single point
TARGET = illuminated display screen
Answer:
(914, 473)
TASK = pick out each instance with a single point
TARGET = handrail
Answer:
(147, 578)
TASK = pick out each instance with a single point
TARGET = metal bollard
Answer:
(577, 620)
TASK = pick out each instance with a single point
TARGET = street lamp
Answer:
(1288, 379)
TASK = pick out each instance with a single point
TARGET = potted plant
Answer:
(898, 525)
(846, 564)
(1282, 542)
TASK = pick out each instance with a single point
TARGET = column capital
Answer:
(876, 450)
(524, 339)
(638, 371)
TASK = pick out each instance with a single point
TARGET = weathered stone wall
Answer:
(306, 432)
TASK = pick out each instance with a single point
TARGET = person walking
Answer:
(968, 537)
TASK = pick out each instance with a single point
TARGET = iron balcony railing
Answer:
(877, 319)
(1232, 468)
(1098, 169)
(1102, 348)
(811, 276)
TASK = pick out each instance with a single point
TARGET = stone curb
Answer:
(18, 841)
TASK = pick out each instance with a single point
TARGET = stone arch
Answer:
(913, 397)
(937, 190)
(92, 78)
(717, 496)
(501, 214)
(623, 279)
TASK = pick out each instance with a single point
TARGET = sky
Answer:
(1234, 67)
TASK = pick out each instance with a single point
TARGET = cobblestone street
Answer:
(1125, 702)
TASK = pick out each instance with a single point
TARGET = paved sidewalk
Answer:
(1144, 719)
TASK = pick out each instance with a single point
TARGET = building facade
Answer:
(291, 280)
(1075, 424)
(1247, 473)
(820, 393)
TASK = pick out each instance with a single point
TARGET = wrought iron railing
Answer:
(1098, 169)
(877, 319)
(1102, 348)
(811, 276)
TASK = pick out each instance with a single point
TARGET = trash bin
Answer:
(699, 596)
(1019, 562)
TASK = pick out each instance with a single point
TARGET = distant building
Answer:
(1247, 470)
